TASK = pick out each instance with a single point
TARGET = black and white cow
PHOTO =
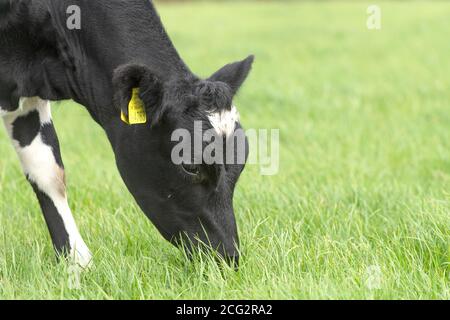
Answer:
(120, 45)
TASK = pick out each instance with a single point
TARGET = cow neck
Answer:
(131, 33)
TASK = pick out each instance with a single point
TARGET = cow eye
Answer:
(191, 169)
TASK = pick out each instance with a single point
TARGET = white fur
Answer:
(39, 164)
(224, 122)
(26, 105)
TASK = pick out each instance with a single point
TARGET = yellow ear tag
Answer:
(136, 110)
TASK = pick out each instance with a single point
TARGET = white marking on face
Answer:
(224, 122)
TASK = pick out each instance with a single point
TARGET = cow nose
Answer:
(228, 254)
(233, 261)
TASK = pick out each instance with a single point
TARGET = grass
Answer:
(364, 180)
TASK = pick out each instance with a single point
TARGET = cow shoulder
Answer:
(30, 58)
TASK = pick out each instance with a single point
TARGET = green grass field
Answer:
(364, 181)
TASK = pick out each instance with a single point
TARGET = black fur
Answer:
(55, 224)
(12, 12)
(214, 96)
(131, 76)
(121, 45)
(234, 74)
(26, 128)
(49, 137)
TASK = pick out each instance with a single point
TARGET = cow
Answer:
(119, 52)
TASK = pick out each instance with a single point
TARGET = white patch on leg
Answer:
(39, 164)
(79, 252)
(26, 105)
(224, 122)
(42, 106)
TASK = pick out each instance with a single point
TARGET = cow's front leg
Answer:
(34, 138)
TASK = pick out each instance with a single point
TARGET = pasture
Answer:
(360, 207)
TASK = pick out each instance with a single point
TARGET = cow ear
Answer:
(234, 74)
(130, 76)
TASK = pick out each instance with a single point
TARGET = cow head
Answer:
(189, 202)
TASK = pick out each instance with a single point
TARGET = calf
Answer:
(118, 56)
